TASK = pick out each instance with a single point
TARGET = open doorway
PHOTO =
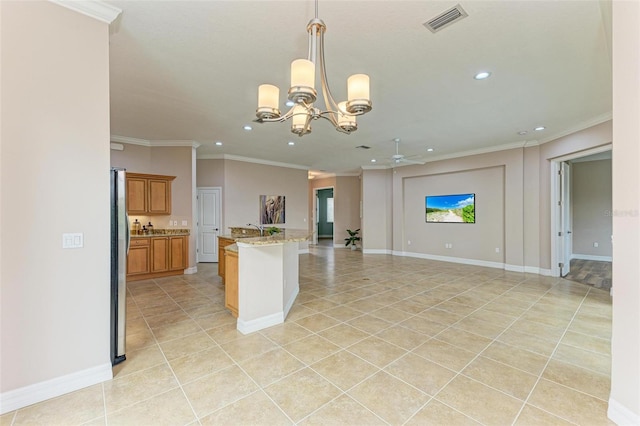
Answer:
(324, 216)
(581, 217)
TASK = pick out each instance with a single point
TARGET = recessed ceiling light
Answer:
(247, 127)
(291, 143)
(429, 149)
(482, 75)
(539, 128)
(522, 133)
(373, 160)
(219, 143)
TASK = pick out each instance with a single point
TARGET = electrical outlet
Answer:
(497, 249)
(175, 223)
(184, 223)
(596, 244)
(409, 242)
(170, 223)
(74, 240)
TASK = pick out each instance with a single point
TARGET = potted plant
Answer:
(273, 230)
(351, 240)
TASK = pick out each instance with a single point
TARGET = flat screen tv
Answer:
(456, 208)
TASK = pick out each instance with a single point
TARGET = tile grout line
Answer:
(549, 360)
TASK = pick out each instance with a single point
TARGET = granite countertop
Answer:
(286, 236)
(232, 248)
(163, 233)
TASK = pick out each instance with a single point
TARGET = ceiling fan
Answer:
(398, 158)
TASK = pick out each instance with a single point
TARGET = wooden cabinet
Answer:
(159, 254)
(222, 243)
(178, 250)
(148, 194)
(231, 285)
(138, 257)
(155, 257)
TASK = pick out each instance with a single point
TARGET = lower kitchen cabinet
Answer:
(154, 257)
(138, 257)
(222, 243)
(231, 281)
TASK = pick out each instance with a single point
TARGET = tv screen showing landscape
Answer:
(457, 208)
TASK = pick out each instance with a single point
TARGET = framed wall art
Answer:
(455, 208)
(272, 209)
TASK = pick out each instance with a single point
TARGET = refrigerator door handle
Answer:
(126, 220)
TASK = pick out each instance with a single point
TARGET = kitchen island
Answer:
(267, 277)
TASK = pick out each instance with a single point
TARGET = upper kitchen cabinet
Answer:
(148, 194)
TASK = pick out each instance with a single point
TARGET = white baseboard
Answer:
(592, 257)
(192, 270)
(514, 268)
(538, 271)
(38, 392)
(377, 251)
(303, 251)
(621, 415)
(246, 327)
(462, 260)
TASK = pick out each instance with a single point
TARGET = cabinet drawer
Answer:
(136, 242)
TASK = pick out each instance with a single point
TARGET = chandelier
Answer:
(302, 93)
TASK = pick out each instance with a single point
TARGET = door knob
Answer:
(215, 229)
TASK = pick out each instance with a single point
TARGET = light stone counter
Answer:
(286, 236)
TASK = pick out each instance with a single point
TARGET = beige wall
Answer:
(510, 161)
(54, 309)
(624, 402)
(210, 173)
(526, 228)
(171, 161)
(531, 211)
(477, 241)
(346, 207)
(376, 210)
(574, 143)
(243, 183)
(591, 208)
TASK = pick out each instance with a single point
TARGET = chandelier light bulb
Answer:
(268, 99)
(358, 94)
(303, 76)
(299, 124)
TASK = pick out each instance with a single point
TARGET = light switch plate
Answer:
(72, 240)
(184, 223)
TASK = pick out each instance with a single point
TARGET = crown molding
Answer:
(250, 160)
(93, 8)
(192, 144)
(580, 126)
(154, 143)
(130, 141)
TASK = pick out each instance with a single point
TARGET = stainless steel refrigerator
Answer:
(119, 249)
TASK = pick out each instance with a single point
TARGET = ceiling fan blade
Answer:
(404, 160)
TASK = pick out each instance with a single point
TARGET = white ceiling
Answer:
(189, 70)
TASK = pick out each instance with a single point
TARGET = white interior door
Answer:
(209, 225)
(565, 218)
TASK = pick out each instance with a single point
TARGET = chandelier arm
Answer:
(329, 103)
(329, 115)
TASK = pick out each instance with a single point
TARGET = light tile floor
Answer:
(371, 339)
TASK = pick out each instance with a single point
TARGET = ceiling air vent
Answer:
(445, 19)
(363, 147)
